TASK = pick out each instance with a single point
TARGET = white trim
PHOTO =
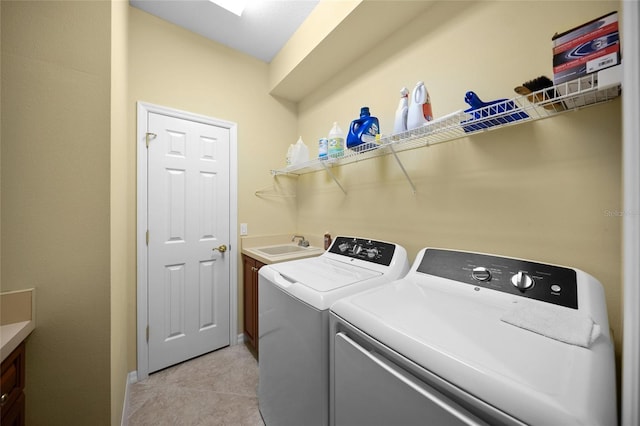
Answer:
(630, 414)
(240, 338)
(132, 377)
(142, 318)
(141, 291)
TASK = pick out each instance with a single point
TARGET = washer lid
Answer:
(319, 281)
(322, 274)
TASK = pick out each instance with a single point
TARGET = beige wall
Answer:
(55, 199)
(172, 67)
(68, 174)
(539, 190)
(123, 249)
(1, 288)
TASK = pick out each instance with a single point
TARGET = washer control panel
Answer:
(361, 248)
(548, 283)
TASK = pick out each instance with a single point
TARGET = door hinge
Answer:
(147, 334)
(147, 237)
(148, 136)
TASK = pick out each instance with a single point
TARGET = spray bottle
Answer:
(400, 124)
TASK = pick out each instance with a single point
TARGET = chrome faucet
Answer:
(302, 242)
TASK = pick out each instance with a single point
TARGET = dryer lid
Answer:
(456, 333)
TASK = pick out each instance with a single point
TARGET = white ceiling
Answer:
(261, 31)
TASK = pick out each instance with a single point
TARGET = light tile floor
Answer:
(218, 388)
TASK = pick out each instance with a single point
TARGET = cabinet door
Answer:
(256, 277)
(11, 388)
(251, 267)
(15, 415)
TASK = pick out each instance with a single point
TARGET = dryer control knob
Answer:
(356, 249)
(522, 281)
(480, 273)
(371, 253)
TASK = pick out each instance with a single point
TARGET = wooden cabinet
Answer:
(12, 388)
(251, 267)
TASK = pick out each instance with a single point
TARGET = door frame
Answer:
(143, 109)
(630, 387)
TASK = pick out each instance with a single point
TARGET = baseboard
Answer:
(240, 338)
(132, 377)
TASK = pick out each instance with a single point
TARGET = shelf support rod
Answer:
(406, 175)
(332, 176)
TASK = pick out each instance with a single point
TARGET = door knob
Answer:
(221, 249)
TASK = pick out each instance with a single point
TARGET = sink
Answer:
(280, 251)
(283, 249)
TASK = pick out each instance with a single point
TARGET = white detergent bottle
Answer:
(300, 153)
(419, 108)
(336, 141)
(400, 124)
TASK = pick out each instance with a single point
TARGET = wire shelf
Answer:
(569, 96)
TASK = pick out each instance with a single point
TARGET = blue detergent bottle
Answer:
(363, 130)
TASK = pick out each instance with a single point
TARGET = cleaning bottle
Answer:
(323, 148)
(289, 155)
(300, 153)
(400, 124)
(419, 112)
(363, 130)
(336, 141)
(327, 240)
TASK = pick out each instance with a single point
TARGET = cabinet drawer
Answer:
(12, 379)
(15, 415)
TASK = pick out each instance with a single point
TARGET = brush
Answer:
(533, 90)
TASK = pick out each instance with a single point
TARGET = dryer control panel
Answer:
(547, 283)
(364, 249)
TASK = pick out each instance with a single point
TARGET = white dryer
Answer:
(293, 304)
(470, 338)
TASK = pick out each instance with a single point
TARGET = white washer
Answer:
(440, 346)
(293, 305)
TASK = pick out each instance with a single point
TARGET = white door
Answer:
(189, 229)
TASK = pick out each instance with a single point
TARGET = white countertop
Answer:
(17, 320)
(11, 335)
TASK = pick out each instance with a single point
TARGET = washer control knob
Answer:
(480, 273)
(343, 247)
(371, 253)
(356, 249)
(522, 281)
